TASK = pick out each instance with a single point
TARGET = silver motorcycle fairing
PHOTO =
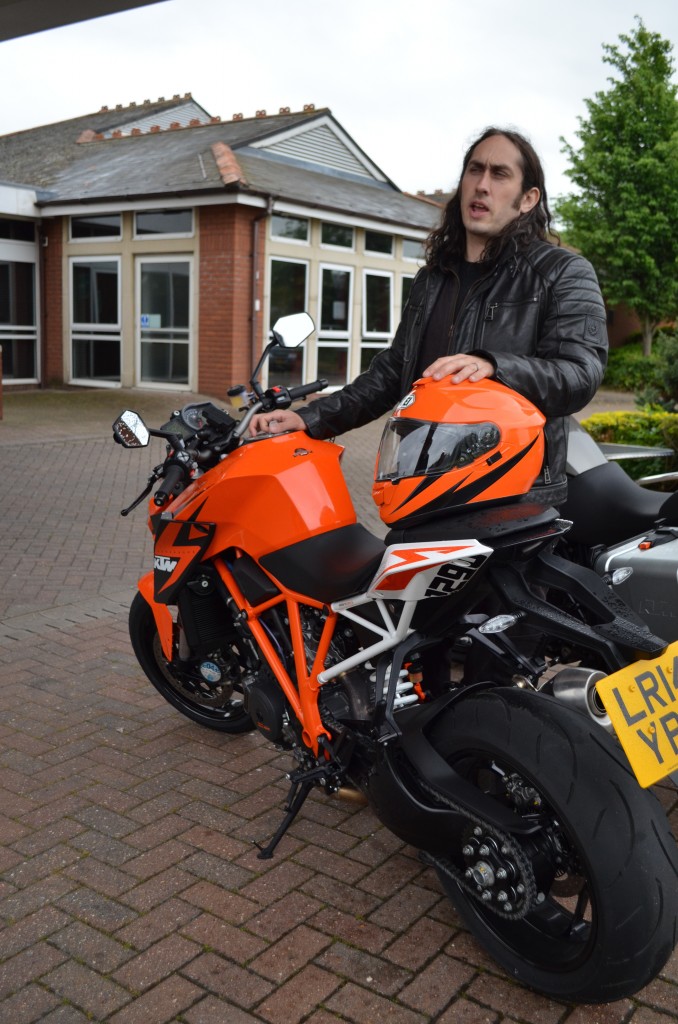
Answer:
(652, 588)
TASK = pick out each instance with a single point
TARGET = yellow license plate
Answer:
(642, 702)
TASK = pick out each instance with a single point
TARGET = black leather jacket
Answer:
(538, 315)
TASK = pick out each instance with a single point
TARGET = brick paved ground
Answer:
(129, 887)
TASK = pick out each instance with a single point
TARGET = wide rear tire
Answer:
(217, 706)
(605, 861)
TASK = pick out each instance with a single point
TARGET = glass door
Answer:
(95, 319)
(163, 289)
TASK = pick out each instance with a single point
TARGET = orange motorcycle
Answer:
(430, 670)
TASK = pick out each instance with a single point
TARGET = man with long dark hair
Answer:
(498, 298)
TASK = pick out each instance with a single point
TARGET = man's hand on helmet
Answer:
(460, 367)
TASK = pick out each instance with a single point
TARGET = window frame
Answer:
(377, 335)
(165, 257)
(20, 251)
(108, 331)
(275, 258)
(298, 261)
(376, 252)
(332, 333)
(94, 238)
(332, 246)
(285, 238)
(163, 234)
(416, 241)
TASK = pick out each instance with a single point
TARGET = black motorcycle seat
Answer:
(489, 524)
(606, 506)
(329, 566)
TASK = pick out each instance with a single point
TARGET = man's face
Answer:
(492, 192)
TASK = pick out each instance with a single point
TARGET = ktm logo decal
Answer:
(163, 564)
(178, 545)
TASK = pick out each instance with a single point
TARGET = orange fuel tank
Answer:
(269, 493)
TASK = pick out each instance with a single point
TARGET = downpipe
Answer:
(577, 688)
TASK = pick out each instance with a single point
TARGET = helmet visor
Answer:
(419, 448)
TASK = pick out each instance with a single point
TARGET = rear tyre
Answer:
(599, 875)
(215, 705)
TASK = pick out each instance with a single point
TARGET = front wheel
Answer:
(218, 705)
(585, 908)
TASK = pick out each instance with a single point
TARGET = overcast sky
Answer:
(411, 84)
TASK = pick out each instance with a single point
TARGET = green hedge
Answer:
(629, 370)
(652, 379)
(649, 428)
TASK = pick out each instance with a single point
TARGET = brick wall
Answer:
(226, 269)
(52, 298)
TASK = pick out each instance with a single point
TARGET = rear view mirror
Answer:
(291, 330)
(130, 431)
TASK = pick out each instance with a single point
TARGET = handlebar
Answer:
(308, 389)
(280, 398)
(174, 474)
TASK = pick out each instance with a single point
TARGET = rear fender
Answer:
(161, 613)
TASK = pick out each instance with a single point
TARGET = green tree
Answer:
(624, 218)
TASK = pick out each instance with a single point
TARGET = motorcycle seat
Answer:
(490, 524)
(606, 506)
(329, 566)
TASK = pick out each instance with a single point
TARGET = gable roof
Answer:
(174, 148)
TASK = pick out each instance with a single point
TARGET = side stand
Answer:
(299, 790)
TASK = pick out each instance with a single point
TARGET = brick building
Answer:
(154, 246)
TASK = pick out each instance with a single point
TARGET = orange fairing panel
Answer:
(178, 546)
(161, 613)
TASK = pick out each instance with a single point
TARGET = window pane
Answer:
(285, 367)
(17, 230)
(334, 312)
(164, 361)
(164, 222)
(333, 364)
(95, 356)
(288, 289)
(289, 227)
(164, 294)
(95, 293)
(96, 226)
(377, 304)
(165, 319)
(18, 358)
(413, 249)
(337, 234)
(17, 294)
(377, 241)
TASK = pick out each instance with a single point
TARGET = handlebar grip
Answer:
(308, 389)
(174, 474)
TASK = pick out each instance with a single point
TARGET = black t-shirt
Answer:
(438, 332)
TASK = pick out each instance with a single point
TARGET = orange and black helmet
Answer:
(447, 446)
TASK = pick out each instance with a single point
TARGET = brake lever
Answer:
(144, 494)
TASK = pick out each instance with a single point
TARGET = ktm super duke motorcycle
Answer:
(270, 607)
